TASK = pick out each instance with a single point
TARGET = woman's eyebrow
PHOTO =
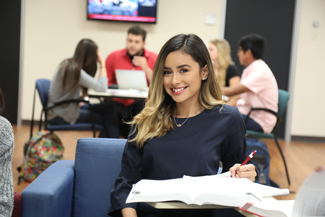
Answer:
(184, 65)
(181, 66)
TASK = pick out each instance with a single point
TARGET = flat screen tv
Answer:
(140, 11)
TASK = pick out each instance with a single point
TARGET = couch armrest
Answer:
(51, 193)
(17, 205)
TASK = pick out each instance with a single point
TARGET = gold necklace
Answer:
(179, 125)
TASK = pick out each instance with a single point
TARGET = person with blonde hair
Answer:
(184, 129)
(224, 67)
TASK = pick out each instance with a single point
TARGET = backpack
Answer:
(43, 149)
(261, 159)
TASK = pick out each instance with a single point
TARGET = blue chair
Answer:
(282, 105)
(43, 87)
(79, 188)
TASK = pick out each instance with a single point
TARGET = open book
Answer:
(202, 191)
(310, 201)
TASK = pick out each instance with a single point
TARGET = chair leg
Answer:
(284, 161)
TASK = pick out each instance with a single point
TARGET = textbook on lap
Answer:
(205, 190)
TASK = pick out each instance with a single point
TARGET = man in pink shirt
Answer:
(136, 57)
(258, 87)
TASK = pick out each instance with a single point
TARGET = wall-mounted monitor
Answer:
(140, 11)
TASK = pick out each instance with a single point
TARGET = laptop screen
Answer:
(131, 79)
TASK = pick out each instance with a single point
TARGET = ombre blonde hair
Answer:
(155, 120)
(224, 59)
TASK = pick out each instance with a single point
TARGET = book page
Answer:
(268, 191)
(234, 185)
(224, 191)
(310, 199)
(180, 205)
(203, 190)
(162, 190)
(221, 175)
(276, 208)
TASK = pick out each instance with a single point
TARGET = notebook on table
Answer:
(131, 79)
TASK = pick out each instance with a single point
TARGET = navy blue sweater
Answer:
(193, 149)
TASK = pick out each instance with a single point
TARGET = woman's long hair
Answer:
(85, 57)
(155, 120)
(223, 60)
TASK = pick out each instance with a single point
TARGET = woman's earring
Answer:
(204, 78)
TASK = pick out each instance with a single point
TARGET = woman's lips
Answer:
(178, 90)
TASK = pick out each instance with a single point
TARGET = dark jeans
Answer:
(252, 125)
(104, 114)
(126, 114)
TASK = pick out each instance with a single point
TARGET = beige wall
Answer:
(308, 116)
(53, 28)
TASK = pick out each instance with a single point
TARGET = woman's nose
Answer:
(175, 78)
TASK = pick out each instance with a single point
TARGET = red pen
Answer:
(250, 156)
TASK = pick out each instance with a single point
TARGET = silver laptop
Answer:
(131, 79)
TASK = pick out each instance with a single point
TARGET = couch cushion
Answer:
(97, 165)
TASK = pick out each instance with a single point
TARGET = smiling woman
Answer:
(184, 129)
(182, 81)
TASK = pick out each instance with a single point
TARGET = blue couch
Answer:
(79, 188)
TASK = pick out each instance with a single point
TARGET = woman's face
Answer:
(213, 51)
(183, 77)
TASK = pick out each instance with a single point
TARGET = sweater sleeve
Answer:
(130, 174)
(234, 146)
(6, 178)
(88, 81)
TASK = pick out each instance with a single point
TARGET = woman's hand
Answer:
(246, 171)
(101, 61)
(129, 212)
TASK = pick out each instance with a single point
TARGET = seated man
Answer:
(258, 87)
(134, 56)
